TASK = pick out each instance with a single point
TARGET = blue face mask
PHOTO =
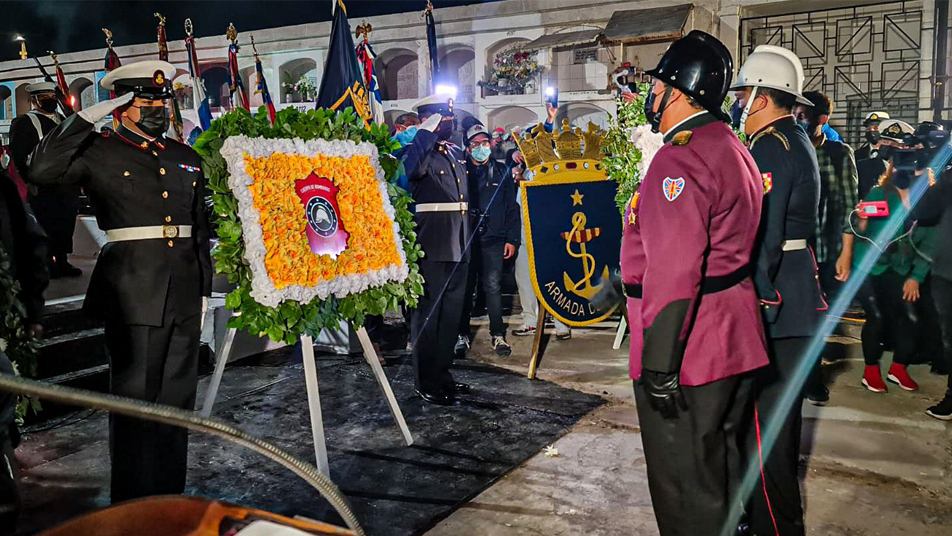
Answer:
(480, 154)
(405, 137)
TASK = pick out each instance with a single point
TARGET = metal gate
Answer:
(868, 57)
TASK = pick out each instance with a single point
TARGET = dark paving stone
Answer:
(394, 489)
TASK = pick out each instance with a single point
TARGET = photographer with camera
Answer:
(495, 216)
(890, 293)
(935, 207)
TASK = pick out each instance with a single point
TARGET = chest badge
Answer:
(768, 182)
(632, 207)
(325, 231)
(672, 188)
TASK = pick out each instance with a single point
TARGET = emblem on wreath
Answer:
(325, 231)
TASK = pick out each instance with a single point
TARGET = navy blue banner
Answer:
(573, 234)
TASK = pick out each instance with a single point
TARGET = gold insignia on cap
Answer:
(158, 79)
(682, 138)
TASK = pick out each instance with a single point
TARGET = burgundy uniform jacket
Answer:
(694, 218)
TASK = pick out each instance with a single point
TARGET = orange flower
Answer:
(289, 261)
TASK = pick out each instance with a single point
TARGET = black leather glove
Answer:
(664, 392)
(610, 295)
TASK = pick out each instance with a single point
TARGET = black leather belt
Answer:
(709, 285)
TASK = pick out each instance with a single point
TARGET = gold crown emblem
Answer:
(543, 150)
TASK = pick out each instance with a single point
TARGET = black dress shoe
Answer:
(440, 399)
(461, 388)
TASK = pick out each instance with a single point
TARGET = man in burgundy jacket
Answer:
(695, 323)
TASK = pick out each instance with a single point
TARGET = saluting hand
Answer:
(431, 122)
(96, 112)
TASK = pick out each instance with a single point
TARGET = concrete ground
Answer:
(873, 464)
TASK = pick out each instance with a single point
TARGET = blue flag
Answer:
(342, 84)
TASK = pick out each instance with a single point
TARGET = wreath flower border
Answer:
(263, 289)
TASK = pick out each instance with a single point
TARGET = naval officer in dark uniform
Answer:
(785, 274)
(153, 273)
(55, 206)
(436, 169)
(696, 331)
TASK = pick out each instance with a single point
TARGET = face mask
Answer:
(406, 137)
(885, 152)
(480, 154)
(445, 129)
(805, 125)
(153, 120)
(47, 105)
(873, 137)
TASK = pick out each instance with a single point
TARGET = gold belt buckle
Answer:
(170, 231)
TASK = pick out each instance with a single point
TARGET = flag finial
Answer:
(108, 37)
(364, 30)
(189, 29)
(232, 33)
(161, 18)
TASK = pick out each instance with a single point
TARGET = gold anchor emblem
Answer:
(580, 235)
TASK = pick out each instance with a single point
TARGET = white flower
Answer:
(649, 143)
(262, 287)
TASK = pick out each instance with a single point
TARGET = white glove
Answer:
(204, 311)
(431, 122)
(95, 113)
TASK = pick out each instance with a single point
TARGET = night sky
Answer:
(73, 25)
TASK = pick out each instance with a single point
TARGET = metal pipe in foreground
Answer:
(185, 419)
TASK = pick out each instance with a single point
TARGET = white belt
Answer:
(442, 207)
(795, 245)
(149, 232)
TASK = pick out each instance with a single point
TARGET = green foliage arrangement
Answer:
(15, 339)
(291, 319)
(621, 157)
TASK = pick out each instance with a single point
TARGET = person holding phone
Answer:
(890, 293)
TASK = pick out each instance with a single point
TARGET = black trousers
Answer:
(434, 324)
(155, 364)
(694, 462)
(778, 493)
(881, 297)
(942, 296)
(486, 269)
(56, 210)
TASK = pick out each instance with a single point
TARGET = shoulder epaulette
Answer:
(771, 131)
(682, 138)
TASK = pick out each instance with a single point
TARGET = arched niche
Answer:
(290, 72)
(398, 72)
(81, 93)
(508, 117)
(7, 110)
(457, 68)
(215, 77)
(580, 114)
(23, 99)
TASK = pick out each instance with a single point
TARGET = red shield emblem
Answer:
(325, 231)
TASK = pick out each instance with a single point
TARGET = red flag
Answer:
(235, 85)
(163, 45)
(262, 86)
(112, 59)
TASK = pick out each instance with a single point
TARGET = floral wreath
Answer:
(307, 293)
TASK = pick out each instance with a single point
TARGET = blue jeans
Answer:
(485, 268)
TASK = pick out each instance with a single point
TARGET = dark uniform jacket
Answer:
(936, 206)
(134, 182)
(24, 139)
(786, 281)
(694, 218)
(492, 197)
(437, 173)
(26, 246)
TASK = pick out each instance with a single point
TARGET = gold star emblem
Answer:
(632, 217)
(576, 198)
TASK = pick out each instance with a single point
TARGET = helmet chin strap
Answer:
(746, 112)
(656, 118)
